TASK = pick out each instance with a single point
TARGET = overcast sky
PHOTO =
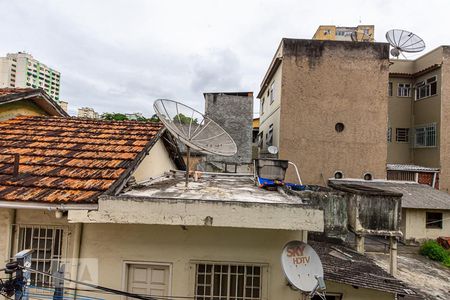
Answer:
(122, 55)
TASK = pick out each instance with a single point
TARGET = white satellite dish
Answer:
(303, 268)
(194, 129)
(404, 41)
(273, 149)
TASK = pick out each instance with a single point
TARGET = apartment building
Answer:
(360, 33)
(321, 115)
(88, 112)
(21, 70)
(419, 112)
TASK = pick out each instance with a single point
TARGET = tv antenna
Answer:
(404, 41)
(194, 129)
(303, 268)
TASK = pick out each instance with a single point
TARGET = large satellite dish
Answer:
(303, 268)
(194, 129)
(404, 41)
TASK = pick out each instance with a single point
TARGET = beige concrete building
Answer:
(360, 33)
(418, 113)
(21, 70)
(321, 115)
(88, 112)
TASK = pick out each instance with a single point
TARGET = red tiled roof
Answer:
(11, 91)
(69, 160)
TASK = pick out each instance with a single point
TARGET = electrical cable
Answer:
(110, 290)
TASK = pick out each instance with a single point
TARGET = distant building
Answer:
(134, 116)
(234, 112)
(360, 33)
(21, 70)
(64, 105)
(88, 112)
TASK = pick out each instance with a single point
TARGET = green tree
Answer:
(184, 120)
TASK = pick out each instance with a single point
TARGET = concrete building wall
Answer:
(444, 178)
(321, 87)
(400, 116)
(415, 225)
(234, 112)
(154, 164)
(20, 108)
(270, 113)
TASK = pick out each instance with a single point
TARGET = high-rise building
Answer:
(21, 70)
(360, 33)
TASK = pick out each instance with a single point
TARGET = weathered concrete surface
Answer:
(424, 275)
(234, 112)
(326, 82)
(123, 210)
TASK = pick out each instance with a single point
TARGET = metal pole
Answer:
(188, 152)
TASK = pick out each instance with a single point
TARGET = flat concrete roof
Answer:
(212, 188)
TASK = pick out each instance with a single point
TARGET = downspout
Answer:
(77, 239)
(11, 223)
(434, 180)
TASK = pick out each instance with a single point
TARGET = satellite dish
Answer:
(404, 41)
(302, 267)
(272, 149)
(194, 129)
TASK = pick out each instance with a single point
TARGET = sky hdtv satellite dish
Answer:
(302, 267)
(404, 41)
(272, 149)
(194, 129)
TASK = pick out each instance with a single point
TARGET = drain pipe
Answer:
(77, 239)
(10, 233)
(296, 171)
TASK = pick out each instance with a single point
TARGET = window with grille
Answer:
(404, 90)
(425, 136)
(402, 135)
(426, 88)
(47, 243)
(269, 136)
(228, 282)
(434, 220)
(271, 92)
(390, 89)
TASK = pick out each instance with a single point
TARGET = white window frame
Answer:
(404, 90)
(425, 85)
(264, 283)
(427, 130)
(260, 139)
(269, 136)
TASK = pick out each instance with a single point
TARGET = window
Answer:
(402, 135)
(260, 139)
(425, 136)
(389, 135)
(426, 88)
(269, 136)
(262, 106)
(434, 220)
(271, 92)
(47, 243)
(404, 90)
(228, 282)
(326, 32)
(390, 89)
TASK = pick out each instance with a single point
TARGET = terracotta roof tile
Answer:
(66, 160)
(11, 91)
